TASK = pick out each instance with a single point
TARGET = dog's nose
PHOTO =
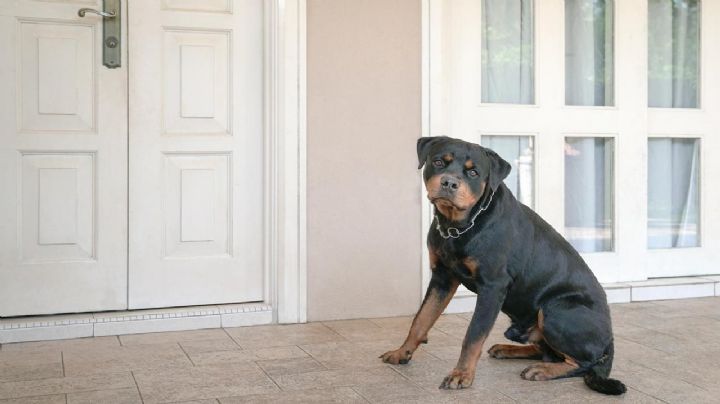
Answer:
(449, 183)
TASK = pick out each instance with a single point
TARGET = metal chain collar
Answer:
(453, 232)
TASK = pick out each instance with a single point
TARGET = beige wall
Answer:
(363, 84)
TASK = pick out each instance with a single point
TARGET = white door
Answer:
(63, 162)
(196, 152)
(605, 146)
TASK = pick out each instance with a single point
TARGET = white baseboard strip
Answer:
(38, 328)
(626, 292)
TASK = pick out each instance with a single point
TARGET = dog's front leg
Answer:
(487, 307)
(439, 293)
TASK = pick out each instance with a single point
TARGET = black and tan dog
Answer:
(483, 238)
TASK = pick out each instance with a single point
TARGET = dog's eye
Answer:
(438, 164)
(472, 173)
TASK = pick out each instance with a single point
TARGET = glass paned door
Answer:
(673, 193)
(519, 152)
(674, 53)
(589, 52)
(589, 193)
(507, 51)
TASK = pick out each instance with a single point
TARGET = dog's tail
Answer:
(597, 375)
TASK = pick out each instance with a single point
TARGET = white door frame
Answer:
(285, 141)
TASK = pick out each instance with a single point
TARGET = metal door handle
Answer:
(106, 14)
(111, 13)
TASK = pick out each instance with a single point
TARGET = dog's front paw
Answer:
(399, 356)
(458, 379)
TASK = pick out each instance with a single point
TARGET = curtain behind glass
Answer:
(518, 151)
(673, 53)
(507, 51)
(589, 52)
(673, 206)
(588, 193)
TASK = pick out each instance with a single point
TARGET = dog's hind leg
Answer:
(506, 351)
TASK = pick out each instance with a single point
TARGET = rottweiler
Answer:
(486, 240)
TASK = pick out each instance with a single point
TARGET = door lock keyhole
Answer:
(111, 42)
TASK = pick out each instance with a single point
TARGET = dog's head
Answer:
(457, 173)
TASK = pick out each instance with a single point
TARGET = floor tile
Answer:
(346, 354)
(212, 345)
(119, 396)
(221, 357)
(202, 382)
(71, 384)
(338, 378)
(173, 337)
(53, 399)
(282, 335)
(124, 358)
(278, 367)
(474, 394)
(319, 396)
(25, 365)
(402, 391)
(62, 345)
(402, 323)
(285, 352)
(365, 330)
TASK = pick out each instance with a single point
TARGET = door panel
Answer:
(63, 162)
(196, 152)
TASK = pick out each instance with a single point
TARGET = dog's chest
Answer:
(459, 263)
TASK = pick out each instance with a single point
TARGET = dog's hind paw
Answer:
(548, 371)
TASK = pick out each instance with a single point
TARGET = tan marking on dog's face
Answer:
(454, 207)
(469, 164)
(447, 158)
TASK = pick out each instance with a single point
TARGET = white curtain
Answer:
(589, 52)
(518, 151)
(588, 193)
(507, 51)
(673, 208)
(673, 53)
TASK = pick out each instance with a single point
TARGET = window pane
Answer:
(673, 53)
(673, 208)
(589, 52)
(507, 51)
(518, 151)
(589, 193)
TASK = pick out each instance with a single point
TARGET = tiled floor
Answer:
(666, 351)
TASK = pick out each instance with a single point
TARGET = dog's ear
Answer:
(424, 144)
(499, 169)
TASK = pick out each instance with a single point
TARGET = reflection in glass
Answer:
(673, 206)
(507, 51)
(589, 193)
(518, 151)
(589, 52)
(673, 53)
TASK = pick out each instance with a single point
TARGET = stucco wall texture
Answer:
(364, 196)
